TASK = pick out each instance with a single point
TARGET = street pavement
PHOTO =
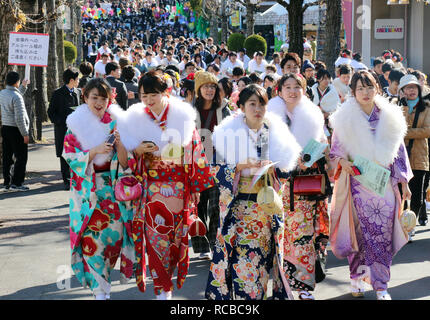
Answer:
(35, 249)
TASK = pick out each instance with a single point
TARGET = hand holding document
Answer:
(315, 150)
(373, 176)
(260, 172)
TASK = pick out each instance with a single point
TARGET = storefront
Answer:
(376, 26)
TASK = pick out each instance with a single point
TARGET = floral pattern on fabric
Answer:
(247, 250)
(302, 227)
(377, 217)
(99, 225)
(160, 226)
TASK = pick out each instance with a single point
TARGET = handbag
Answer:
(196, 226)
(127, 187)
(268, 199)
(309, 185)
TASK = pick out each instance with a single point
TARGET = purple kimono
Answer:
(379, 234)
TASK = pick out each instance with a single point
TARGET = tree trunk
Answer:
(41, 81)
(78, 40)
(52, 79)
(30, 7)
(295, 29)
(61, 66)
(332, 42)
(250, 19)
(213, 29)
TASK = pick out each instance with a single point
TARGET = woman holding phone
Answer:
(99, 225)
(367, 125)
(166, 155)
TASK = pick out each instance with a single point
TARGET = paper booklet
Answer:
(373, 176)
(316, 150)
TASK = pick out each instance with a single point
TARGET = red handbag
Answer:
(196, 226)
(309, 185)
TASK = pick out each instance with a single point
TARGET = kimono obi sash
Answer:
(161, 171)
(102, 168)
(245, 185)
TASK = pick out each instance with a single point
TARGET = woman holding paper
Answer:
(249, 241)
(365, 226)
(306, 218)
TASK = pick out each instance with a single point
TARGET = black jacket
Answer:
(61, 105)
(121, 91)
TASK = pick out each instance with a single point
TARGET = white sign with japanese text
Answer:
(389, 28)
(28, 49)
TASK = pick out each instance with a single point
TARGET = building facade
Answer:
(377, 26)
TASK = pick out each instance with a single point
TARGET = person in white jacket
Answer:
(325, 96)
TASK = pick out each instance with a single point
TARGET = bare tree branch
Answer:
(312, 4)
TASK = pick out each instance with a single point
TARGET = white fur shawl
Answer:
(307, 122)
(89, 130)
(135, 126)
(355, 135)
(330, 102)
(233, 143)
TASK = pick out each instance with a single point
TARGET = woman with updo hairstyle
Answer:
(367, 126)
(226, 89)
(166, 155)
(249, 242)
(302, 244)
(98, 222)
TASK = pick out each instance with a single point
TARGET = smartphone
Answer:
(356, 170)
(111, 139)
(150, 142)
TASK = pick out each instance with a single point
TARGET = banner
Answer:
(235, 19)
(347, 6)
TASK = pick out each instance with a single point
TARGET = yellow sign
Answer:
(235, 19)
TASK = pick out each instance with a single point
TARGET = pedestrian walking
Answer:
(365, 225)
(306, 217)
(166, 154)
(417, 114)
(100, 226)
(63, 102)
(210, 112)
(15, 132)
(250, 238)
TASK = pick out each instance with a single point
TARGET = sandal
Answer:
(383, 295)
(304, 295)
(357, 288)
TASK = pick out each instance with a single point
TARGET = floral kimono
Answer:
(100, 226)
(308, 222)
(378, 234)
(160, 226)
(249, 246)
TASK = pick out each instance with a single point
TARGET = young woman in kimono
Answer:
(166, 154)
(306, 219)
(250, 241)
(367, 125)
(100, 227)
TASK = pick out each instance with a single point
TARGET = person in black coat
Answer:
(113, 73)
(63, 102)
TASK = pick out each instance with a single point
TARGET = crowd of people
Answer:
(177, 137)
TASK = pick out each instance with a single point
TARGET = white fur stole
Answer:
(307, 122)
(135, 126)
(89, 130)
(355, 135)
(234, 144)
